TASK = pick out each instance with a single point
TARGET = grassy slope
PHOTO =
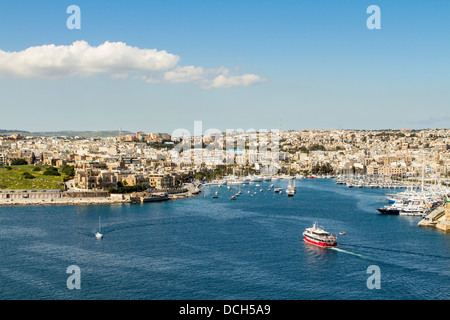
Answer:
(14, 179)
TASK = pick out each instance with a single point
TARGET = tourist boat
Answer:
(319, 237)
(99, 235)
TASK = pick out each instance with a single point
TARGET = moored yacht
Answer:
(291, 189)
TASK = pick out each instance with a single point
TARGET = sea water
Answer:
(205, 248)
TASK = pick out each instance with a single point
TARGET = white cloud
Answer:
(184, 74)
(225, 81)
(210, 78)
(81, 59)
(117, 59)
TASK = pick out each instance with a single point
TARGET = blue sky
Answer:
(246, 64)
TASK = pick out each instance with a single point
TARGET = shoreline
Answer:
(68, 201)
(80, 201)
(63, 198)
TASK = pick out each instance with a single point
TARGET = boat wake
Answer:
(390, 260)
(421, 254)
(348, 252)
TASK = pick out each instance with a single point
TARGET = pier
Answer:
(439, 218)
(431, 219)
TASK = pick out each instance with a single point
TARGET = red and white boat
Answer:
(319, 237)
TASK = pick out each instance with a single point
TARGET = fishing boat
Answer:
(319, 237)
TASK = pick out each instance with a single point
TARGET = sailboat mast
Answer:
(423, 173)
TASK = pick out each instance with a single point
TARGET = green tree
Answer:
(19, 162)
(28, 175)
(51, 171)
(68, 170)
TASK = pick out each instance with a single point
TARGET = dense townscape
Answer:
(153, 160)
(146, 167)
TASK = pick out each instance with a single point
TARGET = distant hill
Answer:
(69, 133)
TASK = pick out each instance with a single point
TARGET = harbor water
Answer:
(215, 248)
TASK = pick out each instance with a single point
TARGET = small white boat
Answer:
(291, 189)
(99, 235)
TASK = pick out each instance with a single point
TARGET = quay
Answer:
(61, 197)
(439, 218)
